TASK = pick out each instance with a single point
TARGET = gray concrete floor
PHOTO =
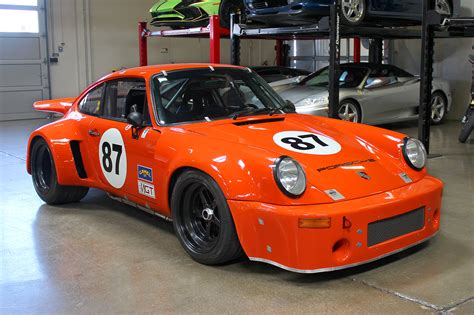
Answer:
(99, 256)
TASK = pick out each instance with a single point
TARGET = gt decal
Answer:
(145, 173)
(146, 189)
(306, 142)
(113, 158)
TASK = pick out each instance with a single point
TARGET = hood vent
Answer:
(258, 121)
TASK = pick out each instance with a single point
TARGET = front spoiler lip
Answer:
(329, 269)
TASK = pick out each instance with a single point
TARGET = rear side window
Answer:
(91, 103)
(125, 96)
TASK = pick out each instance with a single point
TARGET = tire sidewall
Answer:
(225, 19)
(440, 94)
(357, 107)
(227, 230)
(345, 21)
(49, 195)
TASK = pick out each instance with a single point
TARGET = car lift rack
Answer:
(433, 26)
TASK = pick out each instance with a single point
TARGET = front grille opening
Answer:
(387, 229)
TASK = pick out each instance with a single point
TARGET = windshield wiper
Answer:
(252, 111)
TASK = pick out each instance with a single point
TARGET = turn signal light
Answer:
(314, 223)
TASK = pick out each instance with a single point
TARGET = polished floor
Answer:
(102, 257)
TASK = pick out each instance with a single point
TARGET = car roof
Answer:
(148, 71)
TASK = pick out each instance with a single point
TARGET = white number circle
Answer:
(113, 158)
(306, 143)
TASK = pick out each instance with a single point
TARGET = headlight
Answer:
(289, 176)
(313, 102)
(414, 153)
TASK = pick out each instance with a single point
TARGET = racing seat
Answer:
(136, 101)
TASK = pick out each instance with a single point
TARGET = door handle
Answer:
(94, 133)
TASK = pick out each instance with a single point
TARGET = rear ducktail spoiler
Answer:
(60, 106)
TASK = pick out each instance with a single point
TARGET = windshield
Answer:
(350, 77)
(209, 94)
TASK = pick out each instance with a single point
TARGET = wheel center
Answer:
(207, 214)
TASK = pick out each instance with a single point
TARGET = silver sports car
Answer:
(369, 93)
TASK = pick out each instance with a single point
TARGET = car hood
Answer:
(358, 169)
(297, 93)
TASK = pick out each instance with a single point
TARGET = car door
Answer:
(385, 97)
(124, 161)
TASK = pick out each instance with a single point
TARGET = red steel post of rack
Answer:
(356, 49)
(215, 39)
(142, 44)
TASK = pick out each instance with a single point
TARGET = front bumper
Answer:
(270, 233)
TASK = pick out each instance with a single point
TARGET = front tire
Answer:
(349, 110)
(202, 219)
(45, 178)
(353, 12)
(466, 130)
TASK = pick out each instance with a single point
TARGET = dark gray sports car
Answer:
(354, 12)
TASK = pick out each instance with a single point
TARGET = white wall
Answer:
(451, 62)
(99, 36)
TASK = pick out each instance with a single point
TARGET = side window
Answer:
(125, 96)
(91, 103)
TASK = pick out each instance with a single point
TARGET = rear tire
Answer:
(45, 178)
(202, 219)
(231, 6)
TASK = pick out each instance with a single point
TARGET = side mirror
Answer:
(289, 105)
(135, 119)
(300, 78)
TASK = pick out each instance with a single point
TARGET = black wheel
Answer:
(227, 7)
(466, 130)
(439, 108)
(353, 12)
(202, 219)
(45, 180)
(350, 111)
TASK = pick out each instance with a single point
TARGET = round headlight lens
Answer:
(290, 176)
(415, 153)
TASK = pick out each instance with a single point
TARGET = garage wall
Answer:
(451, 62)
(98, 36)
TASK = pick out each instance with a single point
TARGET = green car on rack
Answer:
(188, 13)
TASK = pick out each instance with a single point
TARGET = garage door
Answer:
(23, 55)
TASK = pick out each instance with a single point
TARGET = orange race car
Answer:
(214, 149)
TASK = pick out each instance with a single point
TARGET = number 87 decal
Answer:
(113, 158)
(307, 142)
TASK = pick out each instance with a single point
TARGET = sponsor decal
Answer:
(146, 189)
(145, 173)
(306, 143)
(113, 157)
(331, 167)
(405, 178)
(145, 132)
(334, 194)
